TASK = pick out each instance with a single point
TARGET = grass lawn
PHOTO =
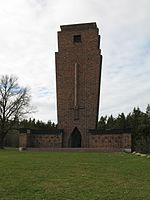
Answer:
(73, 176)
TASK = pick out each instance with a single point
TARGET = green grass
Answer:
(73, 176)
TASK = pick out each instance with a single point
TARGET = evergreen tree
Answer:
(102, 123)
(110, 122)
(121, 122)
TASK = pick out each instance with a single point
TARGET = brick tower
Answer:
(78, 72)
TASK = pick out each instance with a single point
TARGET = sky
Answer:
(28, 42)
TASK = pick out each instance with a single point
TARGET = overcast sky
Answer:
(28, 42)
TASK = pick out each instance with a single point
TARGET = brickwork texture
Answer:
(84, 53)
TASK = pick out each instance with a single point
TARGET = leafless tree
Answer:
(14, 104)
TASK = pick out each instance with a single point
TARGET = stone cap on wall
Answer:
(52, 131)
(82, 26)
(109, 131)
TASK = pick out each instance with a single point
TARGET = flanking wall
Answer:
(110, 139)
(40, 138)
(51, 141)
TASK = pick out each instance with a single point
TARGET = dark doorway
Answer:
(75, 138)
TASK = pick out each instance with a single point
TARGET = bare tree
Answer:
(14, 104)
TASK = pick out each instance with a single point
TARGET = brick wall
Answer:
(24, 140)
(51, 141)
(40, 138)
(116, 141)
(102, 140)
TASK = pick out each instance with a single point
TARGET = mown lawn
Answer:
(73, 176)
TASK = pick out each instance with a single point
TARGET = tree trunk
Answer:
(2, 136)
(1, 143)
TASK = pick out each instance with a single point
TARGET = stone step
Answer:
(77, 149)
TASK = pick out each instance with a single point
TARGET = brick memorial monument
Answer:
(78, 77)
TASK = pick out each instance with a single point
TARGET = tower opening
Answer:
(77, 38)
(76, 138)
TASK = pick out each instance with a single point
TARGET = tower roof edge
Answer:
(91, 25)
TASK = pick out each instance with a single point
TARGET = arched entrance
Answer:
(76, 138)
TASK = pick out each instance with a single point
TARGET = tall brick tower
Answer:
(78, 72)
